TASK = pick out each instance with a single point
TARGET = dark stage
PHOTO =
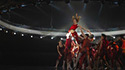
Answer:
(31, 29)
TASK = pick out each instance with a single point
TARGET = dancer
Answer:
(84, 51)
(112, 53)
(60, 50)
(74, 27)
(102, 50)
(67, 51)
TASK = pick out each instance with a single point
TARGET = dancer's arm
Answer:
(77, 17)
(82, 27)
(89, 32)
(85, 29)
(83, 33)
(58, 51)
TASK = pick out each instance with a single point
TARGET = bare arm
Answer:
(77, 17)
(89, 32)
(82, 27)
(85, 29)
(83, 33)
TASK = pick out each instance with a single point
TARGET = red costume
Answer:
(68, 49)
(103, 50)
(85, 52)
(74, 34)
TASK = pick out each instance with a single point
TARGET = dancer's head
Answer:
(87, 35)
(91, 37)
(75, 21)
(60, 42)
(103, 36)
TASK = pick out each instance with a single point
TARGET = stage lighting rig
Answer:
(67, 1)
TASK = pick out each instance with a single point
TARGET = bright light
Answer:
(31, 36)
(41, 37)
(94, 38)
(22, 34)
(72, 38)
(52, 37)
(0, 29)
(61, 38)
(114, 37)
(14, 33)
(6, 31)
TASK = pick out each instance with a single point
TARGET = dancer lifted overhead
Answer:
(74, 27)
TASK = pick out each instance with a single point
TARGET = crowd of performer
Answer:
(82, 54)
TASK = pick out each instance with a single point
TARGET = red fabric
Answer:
(104, 45)
(75, 35)
(81, 60)
(68, 49)
(68, 43)
(86, 44)
(73, 27)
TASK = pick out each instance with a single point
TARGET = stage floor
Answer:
(33, 68)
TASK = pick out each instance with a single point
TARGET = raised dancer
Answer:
(74, 27)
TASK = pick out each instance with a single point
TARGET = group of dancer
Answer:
(82, 54)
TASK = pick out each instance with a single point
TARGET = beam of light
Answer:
(99, 13)
(40, 9)
(84, 6)
(21, 16)
(100, 10)
(54, 6)
(70, 7)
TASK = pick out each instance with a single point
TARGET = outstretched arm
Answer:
(83, 33)
(85, 29)
(77, 17)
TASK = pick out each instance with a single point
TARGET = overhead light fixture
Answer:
(41, 37)
(52, 37)
(114, 37)
(31, 36)
(67, 1)
(22, 34)
(85, 1)
(6, 31)
(61, 38)
(14, 33)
